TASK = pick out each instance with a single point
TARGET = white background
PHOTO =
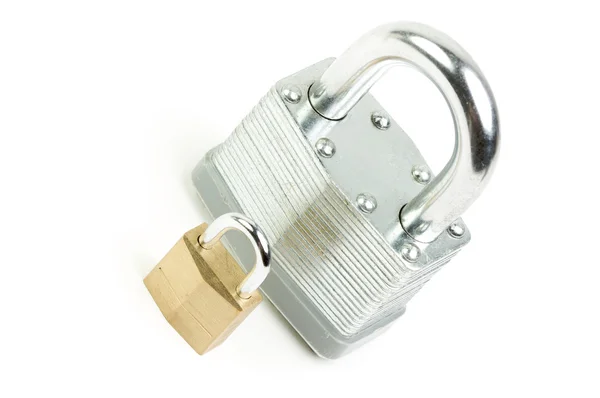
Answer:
(105, 107)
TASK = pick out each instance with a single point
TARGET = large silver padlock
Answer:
(356, 221)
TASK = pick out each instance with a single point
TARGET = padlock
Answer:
(199, 287)
(357, 220)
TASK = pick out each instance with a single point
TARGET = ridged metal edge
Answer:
(320, 240)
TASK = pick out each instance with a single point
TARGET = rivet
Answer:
(410, 252)
(366, 203)
(456, 230)
(421, 174)
(325, 147)
(291, 94)
(381, 121)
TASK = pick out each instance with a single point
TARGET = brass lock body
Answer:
(200, 288)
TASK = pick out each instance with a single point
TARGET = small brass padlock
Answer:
(200, 288)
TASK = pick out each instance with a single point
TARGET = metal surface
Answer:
(325, 147)
(410, 252)
(337, 273)
(466, 91)
(381, 121)
(262, 251)
(456, 230)
(366, 203)
(291, 94)
(196, 288)
(344, 267)
(421, 174)
(367, 160)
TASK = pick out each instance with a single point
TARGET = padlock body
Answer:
(195, 289)
(337, 273)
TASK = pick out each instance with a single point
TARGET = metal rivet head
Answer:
(325, 147)
(456, 230)
(421, 174)
(291, 94)
(381, 121)
(366, 203)
(410, 252)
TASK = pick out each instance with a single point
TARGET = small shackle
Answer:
(235, 221)
(453, 71)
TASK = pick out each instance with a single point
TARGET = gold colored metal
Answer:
(196, 291)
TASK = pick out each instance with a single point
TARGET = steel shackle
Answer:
(262, 250)
(451, 68)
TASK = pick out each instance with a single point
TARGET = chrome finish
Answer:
(379, 162)
(421, 174)
(366, 203)
(262, 251)
(325, 147)
(466, 91)
(291, 94)
(337, 273)
(340, 275)
(381, 121)
(410, 252)
(456, 230)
